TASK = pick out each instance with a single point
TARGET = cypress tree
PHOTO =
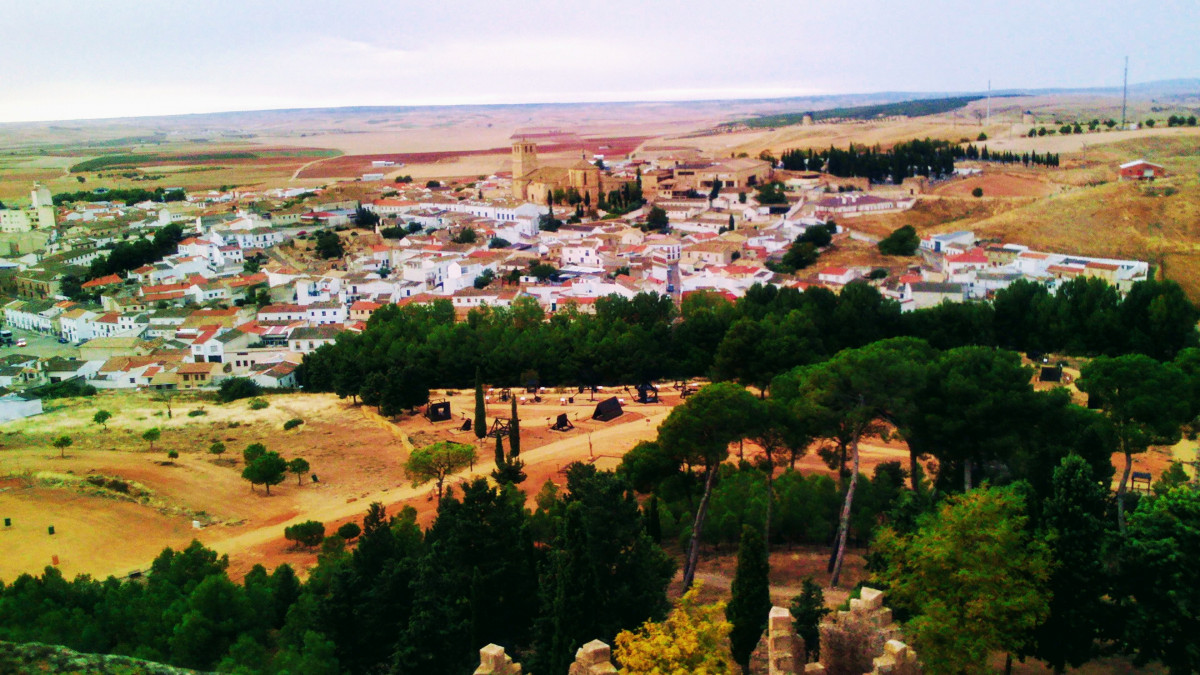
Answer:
(499, 451)
(751, 597)
(653, 524)
(808, 609)
(480, 408)
(514, 433)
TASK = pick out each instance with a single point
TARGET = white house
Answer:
(325, 313)
(838, 276)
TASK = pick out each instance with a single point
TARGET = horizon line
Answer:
(917, 95)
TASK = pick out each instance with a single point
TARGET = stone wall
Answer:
(864, 639)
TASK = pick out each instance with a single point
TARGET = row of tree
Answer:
(130, 255)
(764, 333)
(929, 158)
(1005, 157)
(128, 196)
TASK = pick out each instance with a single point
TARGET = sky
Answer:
(76, 59)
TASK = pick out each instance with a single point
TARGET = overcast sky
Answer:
(70, 59)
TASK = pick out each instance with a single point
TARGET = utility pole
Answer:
(989, 102)
(1124, 92)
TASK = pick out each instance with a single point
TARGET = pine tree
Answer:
(514, 433)
(751, 597)
(480, 409)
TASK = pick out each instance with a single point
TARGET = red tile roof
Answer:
(103, 281)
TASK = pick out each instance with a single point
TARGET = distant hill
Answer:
(915, 108)
(33, 657)
(919, 105)
(756, 106)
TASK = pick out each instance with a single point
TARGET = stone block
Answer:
(814, 669)
(594, 658)
(871, 598)
(857, 606)
(895, 648)
(780, 619)
(593, 652)
(493, 661)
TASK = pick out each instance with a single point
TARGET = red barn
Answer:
(1140, 169)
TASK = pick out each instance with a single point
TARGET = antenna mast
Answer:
(1124, 92)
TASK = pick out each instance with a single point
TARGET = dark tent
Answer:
(562, 423)
(1050, 374)
(608, 409)
(466, 425)
(438, 412)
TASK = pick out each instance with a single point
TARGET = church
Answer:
(532, 182)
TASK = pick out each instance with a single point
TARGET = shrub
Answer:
(977, 192)
(199, 412)
(259, 404)
(292, 424)
(172, 454)
(308, 534)
(217, 448)
(349, 531)
(236, 388)
(117, 485)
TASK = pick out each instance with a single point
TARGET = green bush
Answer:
(309, 533)
(237, 388)
(217, 448)
(292, 424)
(172, 454)
(977, 192)
(259, 404)
(199, 412)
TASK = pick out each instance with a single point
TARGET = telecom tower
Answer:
(1124, 92)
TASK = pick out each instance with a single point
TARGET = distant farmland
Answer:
(918, 108)
(131, 161)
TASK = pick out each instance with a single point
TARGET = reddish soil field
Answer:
(998, 185)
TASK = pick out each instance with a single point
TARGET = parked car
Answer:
(63, 341)
(21, 342)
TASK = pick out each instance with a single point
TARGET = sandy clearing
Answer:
(88, 533)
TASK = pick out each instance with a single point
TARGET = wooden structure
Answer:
(438, 411)
(500, 427)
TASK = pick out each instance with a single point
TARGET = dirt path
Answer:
(296, 174)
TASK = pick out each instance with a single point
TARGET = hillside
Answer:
(1159, 223)
(18, 659)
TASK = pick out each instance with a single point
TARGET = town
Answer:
(182, 290)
